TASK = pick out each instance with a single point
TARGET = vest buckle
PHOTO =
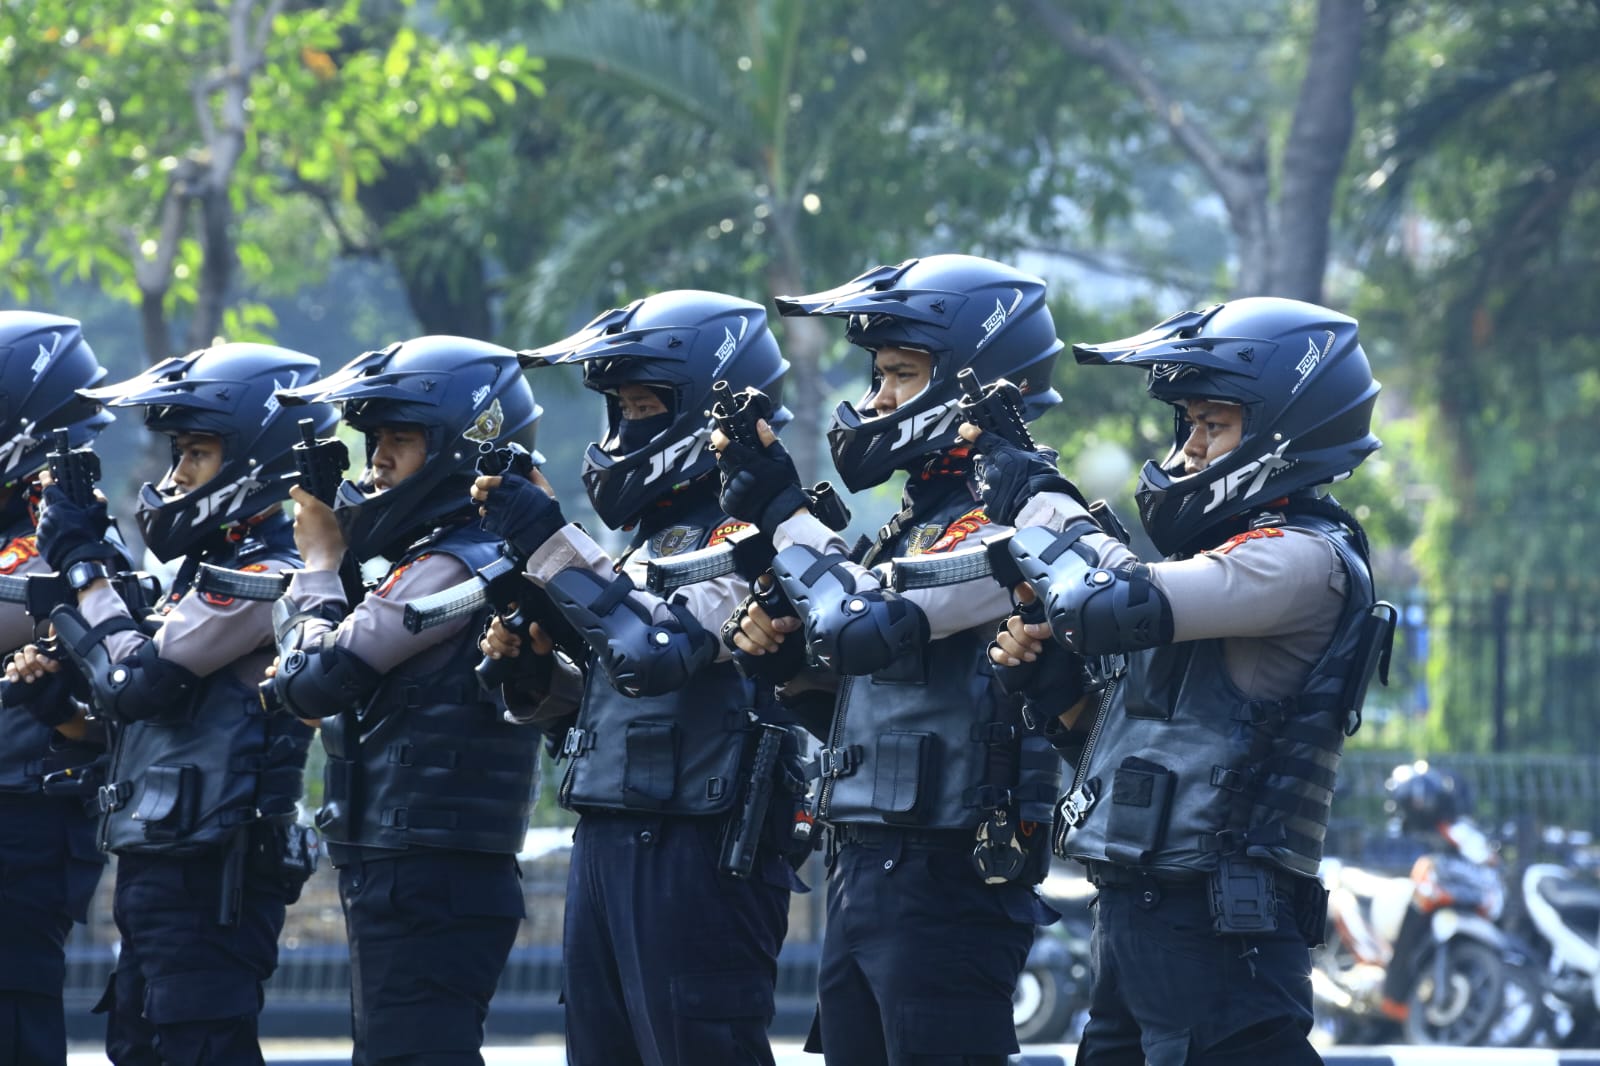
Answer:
(114, 796)
(577, 742)
(1078, 803)
(837, 762)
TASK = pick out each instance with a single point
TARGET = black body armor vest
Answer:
(930, 741)
(676, 753)
(1188, 768)
(187, 785)
(430, 761)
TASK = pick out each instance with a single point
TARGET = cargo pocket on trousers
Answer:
(201, 996)
(721, 1017)
(1169, 1049)
(650, 764)
(956, 1027)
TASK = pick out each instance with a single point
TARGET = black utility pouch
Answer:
(1311, 911)
(901, 767)
(168, 804)
(650, 766)
(1243, 897)
(1141, 802)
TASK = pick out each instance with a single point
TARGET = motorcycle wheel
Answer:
(1523, 1014)
(1466, 1008)
(1041, 1006)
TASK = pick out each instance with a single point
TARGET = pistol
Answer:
(75, 469)
(995, 408)
(320, 465)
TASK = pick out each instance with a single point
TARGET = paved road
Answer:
(788, 1053)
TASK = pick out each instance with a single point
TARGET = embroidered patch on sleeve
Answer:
(724, 531)
(389, 582)
(18, 552)
(959, 530)
(1253, 534)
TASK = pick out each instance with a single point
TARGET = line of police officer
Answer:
(934, 770)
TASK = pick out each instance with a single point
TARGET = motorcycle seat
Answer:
(1577, 903)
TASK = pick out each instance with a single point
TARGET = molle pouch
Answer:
(168, 802)
(1141, 801)
(899, 770)
(1151, 675)
(1372, 657)
(650, 764)
(1244, 900)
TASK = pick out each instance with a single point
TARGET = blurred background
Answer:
(335, 176)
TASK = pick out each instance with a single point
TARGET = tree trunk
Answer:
(804, 342)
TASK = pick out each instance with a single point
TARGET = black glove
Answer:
(1009, 476)
(760, 485)
(71, 534)
(522, 514)
(47, 699)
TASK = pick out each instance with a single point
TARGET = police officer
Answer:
(934, 800)
(670, 959)
(1204, 772)
(428, 788)
(48, 855)
(202, 788)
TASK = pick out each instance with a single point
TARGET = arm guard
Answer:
(319, 679)
(142, 687)
(847, 631)
(1091, 610)
(639, 656)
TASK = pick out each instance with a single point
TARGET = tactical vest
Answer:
(29, 750)
(429, 761)
(930, 741)
(1188, 768)
(676, 753)
(186, 786)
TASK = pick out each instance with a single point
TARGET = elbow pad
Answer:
(140, 688)
(320, 680)
(640, 657)
(848, 632)
(1091, 609)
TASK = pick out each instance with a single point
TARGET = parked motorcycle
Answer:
(1423, 954)
(1564, 914)
(1051, 1001)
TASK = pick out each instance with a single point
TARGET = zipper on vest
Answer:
(1081, 797)
(835, 735)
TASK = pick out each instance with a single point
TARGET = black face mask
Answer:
(635, 433)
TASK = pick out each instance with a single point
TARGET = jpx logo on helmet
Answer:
(929, 424)
(1253, 473)
(670, 457)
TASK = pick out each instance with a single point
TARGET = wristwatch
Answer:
(81, 575)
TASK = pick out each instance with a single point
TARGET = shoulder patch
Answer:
(724, 531)
(959, 530)
(394, 575)
(674, 539)
(18, 552)
(1267, 533)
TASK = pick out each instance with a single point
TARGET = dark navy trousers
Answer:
(430, 931)
(668, 962)
(920, 958)
(1169, 991)
(49, 867)
(187, 990)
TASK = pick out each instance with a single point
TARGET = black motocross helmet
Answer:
(679, 343)
(227, 391)
(1424, 797)
(963, 311)
(1307, 394)
(44, 361)
(461, 393)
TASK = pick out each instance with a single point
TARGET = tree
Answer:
(189, 195)
(1280, 217)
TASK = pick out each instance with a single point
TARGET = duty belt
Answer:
(877, 835)
(1110, 874)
